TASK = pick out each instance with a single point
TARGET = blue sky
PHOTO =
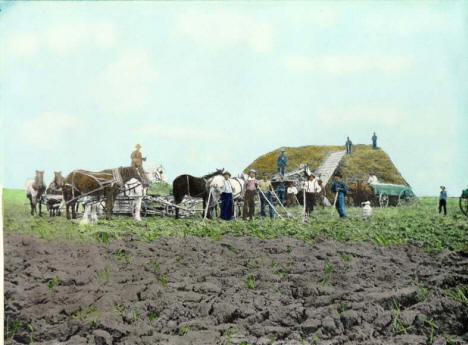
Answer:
(204, 85)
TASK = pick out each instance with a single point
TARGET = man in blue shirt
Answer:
(338, 186)
(281, 162)
(280, 189)
(349, 146)
(374, 141)
(443, 200)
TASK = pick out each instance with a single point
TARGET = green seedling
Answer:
(53, 282)
(250, 282)
(422, 294)
(229, 333)
(397, 325)
(152, 316)
(434, 326)
(162, 280)
(272, 337)
(136, 315)
(232, 249)
(458, 295)
(183, 330)
(273, 263)
(91, 311)
(314, 339)
(121, 255)
(244, 343)
(31, 331)
(451, 341)
(288, 249)
(10, 334)
(327, 271)
(103, 274)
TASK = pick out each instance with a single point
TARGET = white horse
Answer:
(132, 189)
(35, 189)
(217, 182)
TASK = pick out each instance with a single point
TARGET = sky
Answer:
(206, 85)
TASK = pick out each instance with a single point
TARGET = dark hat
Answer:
(338, 174)
(253, 170)
(227, 173)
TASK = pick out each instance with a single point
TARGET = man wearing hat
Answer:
(137, 162)
(281, 161)
(227, 204)
(248, 194)
(339, 187)
(137, 158)
(311, 187)
(265, 188)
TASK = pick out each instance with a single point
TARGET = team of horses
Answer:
(106, 184)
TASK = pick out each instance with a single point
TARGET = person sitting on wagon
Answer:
(137, 162)
(311, 187)
(281, 162)
(291, 194)
(280, 189)
(248, 194)
(227, 204)
(372, 178)
(265, 188)
(338, 186)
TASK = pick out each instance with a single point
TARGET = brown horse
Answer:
(107, 183)
(197, 187)
(35, 189)
(54, 194)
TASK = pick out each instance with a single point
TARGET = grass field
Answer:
(418, 224)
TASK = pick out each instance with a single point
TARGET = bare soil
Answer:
(237, 290)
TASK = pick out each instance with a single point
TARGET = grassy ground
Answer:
(356, 166)
(418, 224)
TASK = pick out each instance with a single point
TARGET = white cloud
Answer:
(125, 84)
(62, 38)
(178, 132)
(346, 64)
(22, 44)
(66, 37)
(223, 29)
(48, 129)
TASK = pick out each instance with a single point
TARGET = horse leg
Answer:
(73, 208)
(31, 204)
(40, 207)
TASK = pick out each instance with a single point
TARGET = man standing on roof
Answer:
(349, 146)
(248, 194)
(374, 141)
(340, 188)
(265, 188)
(281, 161)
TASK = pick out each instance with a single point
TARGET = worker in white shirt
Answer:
(372, 178)
(291, 194)
(311, 188)
(227, 206)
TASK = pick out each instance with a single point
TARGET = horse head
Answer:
(58, 178)
(39, 179)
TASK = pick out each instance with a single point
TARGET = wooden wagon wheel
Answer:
(463, 202)
(383, 200)
(404, 198)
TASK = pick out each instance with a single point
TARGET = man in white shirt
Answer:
(291, 194)
(311, 187)
(372, 178)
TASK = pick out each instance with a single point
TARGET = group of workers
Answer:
(312, 189)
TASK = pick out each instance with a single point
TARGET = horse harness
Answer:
(102, 182)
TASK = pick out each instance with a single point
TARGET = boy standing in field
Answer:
(443, 200)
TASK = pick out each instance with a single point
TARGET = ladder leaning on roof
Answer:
(329, 165)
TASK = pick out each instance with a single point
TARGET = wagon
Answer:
(463, 202)
(392, 194)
